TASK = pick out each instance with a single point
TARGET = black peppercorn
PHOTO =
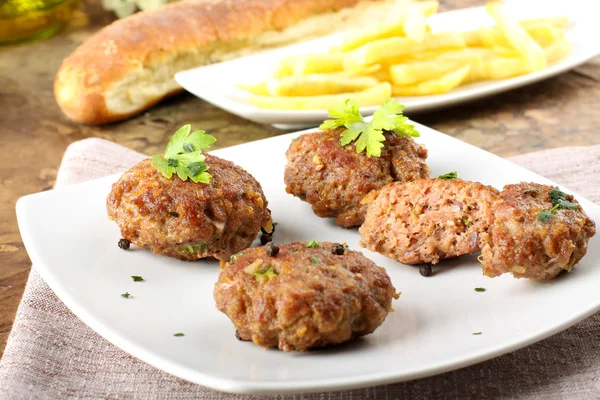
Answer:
(337, 249)
(264, 239)
(271, 249)
(173, 214)
(124, 244)
(425, 270)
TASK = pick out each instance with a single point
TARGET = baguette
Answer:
(129, 65)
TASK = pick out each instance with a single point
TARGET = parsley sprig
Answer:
(369, 135)
(183, 155)
(559, 201)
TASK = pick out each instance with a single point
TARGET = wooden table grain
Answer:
(563, 111)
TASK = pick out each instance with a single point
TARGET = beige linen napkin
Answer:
(51, 354)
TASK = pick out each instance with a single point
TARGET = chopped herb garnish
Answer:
(476, 333)
(313, 244)
(449, 175)
(234, 257)
(179, 334)
(137, 278)
(546, 215)
(479, 289)
(559, 198)
(369, 135)
(183, 155)
(126, 295)
(465, 221)
(192, 248)
(531, 191)
(315, 260)
(265, 273)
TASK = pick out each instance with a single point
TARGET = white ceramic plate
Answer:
(217, 83)
(74, 247)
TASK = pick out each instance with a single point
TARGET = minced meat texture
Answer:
(189, 220)
(428, 220)
(334, 179)
(303, 297)
(527, 247)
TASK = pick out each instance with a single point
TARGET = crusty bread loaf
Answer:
(129, 65)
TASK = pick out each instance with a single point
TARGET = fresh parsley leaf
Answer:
(369, 135)
(126, 295)
(559, 197)
(312, 244)
(137, 278)
(567, 205)
(545, 216)
(449, 175)
(479, 289)
(179, 334)
(183, 156)
(315, 260)
(265, 273)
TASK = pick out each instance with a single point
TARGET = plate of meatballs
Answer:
(361, 253)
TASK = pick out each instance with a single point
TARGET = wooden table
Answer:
(563, 111)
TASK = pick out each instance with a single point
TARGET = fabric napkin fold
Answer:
(51, 354)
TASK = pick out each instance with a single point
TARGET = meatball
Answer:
(189, 220)
(428, 220)
(334, 179)
(523, 242)
(303, 295)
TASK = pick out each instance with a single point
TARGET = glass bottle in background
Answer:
(22, 20)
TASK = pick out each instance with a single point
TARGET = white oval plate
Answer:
(74, 247)
(217, 83)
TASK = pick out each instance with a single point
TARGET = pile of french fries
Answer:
(404, 58)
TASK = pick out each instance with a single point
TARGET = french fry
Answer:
(284, 68)
(503, 68)
(390, 49)
(306, 64)
(366, 71)
(441, 84)
(531, 52)
(401, 56)
(558, 22)
(505, 51)
(416, 72)
(369, 97)
(414, 22)
(318, 84)
(355, 39)
(255, 88)
(317, 64)
(545, 33)
(557, 50)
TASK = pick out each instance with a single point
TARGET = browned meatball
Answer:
(303, 297)
(334, 179)
(189, 220)
(528, 247)
(428, 220)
